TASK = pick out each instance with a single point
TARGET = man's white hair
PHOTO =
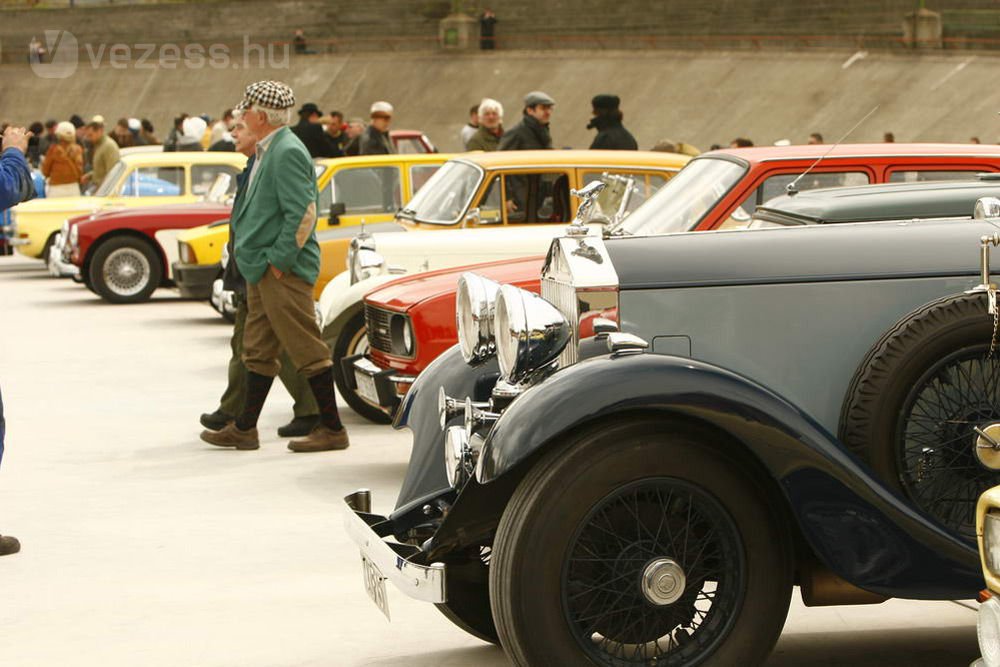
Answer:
(275, 117)
(490, 104)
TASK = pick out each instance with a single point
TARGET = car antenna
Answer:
(791, 188)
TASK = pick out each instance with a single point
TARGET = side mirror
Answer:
(337, 209)
(986, 207)
(473, 217)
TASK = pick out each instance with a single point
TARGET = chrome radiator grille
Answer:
(377, 321)
(564, 298)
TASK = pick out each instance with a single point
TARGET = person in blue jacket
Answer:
(16, 186)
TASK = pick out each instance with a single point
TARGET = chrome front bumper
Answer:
(420, 582)
(222, 299)
(58, 266)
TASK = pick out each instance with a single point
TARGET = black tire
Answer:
(125, 269)
(914, 400)
(49, 242)
(468, 604)
(353, 340)
(557, 511)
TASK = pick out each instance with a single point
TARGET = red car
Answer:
(716, 190)
(125, 254)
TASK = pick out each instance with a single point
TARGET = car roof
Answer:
(184, 157)
(384, 159)
(798, 152)
(884, 201)
(575, 158)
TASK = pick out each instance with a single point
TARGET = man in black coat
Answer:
(375, 140)
(310, 132)
(533, 130)
(611, 134)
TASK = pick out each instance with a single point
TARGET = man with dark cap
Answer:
(611, 134)
(275, 249)
(310, 132)
(532, 132)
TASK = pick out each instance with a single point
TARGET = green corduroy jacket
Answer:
(275, 221)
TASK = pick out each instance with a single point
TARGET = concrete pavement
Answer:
(142, 545)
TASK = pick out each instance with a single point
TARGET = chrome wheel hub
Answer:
(663, 581)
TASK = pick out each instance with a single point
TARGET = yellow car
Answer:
(366, 189)
(139, 179)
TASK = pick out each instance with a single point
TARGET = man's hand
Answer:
(16, 137)
(278, 273)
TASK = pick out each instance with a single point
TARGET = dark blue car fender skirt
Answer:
(855, 525)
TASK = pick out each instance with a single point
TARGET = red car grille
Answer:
(377, 321)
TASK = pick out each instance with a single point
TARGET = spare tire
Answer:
(915, 399)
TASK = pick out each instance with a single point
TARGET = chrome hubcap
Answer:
(663, 581)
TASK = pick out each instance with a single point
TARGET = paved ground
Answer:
(143, 546)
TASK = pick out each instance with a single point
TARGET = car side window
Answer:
(539, 197)
(409, 146)
(370, 190)
(915, 175)
(776, 186)
(420, 174)
(153, 182)
(203, 175)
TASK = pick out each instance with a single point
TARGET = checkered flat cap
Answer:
(268, 94)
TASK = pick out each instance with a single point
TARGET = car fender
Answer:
(340, 300)
(858, 527)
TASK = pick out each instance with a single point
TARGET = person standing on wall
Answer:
(276, 251)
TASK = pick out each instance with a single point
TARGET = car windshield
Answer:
(446, 196)
(681, 204)
(110, 180)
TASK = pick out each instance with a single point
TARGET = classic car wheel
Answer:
(125, 270)
(468, 604)
(49, 242)
(635, 544)
(915, 401)
(353, 340)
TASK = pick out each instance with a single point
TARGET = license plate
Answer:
(366, 387)
(375, 585)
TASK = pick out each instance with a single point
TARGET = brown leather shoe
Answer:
(9, 545)
(322, 439)
(230, 436)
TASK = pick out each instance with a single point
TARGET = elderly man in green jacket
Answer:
(276, 251)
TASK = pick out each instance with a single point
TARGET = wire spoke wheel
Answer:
(126, 271)
(936, 439)
(655, 572)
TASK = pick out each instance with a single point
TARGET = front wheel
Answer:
(353, 340)
(639, 544)
(125, 270)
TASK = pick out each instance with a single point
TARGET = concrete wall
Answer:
(523, 23)
(702, 98)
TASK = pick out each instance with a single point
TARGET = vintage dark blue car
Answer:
(642, 462)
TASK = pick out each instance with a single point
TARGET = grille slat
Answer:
(377, 322)
(564, 298)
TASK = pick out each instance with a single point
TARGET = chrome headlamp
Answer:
(74, 236)
(991, 542)
(362, 260)
(530, 332)
(474, 309)
(64, 230)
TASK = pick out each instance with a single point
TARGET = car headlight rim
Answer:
(991, 541)
(475, 304)
(530, 333)
(74, 235)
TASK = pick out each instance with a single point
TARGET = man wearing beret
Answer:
(611, 134)
(533, 130)
(275, 249)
